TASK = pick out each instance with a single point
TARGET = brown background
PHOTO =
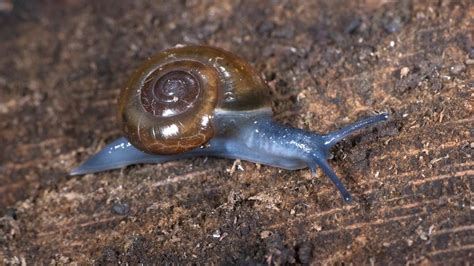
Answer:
(328, 63)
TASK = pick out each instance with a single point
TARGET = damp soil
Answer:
(327, 63)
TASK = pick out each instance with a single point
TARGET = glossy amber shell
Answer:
(226, 83)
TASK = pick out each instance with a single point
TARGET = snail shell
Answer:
(169, 104)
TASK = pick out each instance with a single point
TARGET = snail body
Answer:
(203, 101)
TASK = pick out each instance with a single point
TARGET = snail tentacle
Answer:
(332, 138)
(324, 165)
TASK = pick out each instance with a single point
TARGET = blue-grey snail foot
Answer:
(273, 145)
(118, 154)
(121, 153)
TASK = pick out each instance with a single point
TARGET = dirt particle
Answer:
(393, 25)
(279, 253)
(457, 69)
(109, 255)
(15, 261)
(424, 237)
(304, 253)
(216, 233)
(404, 72)
(120, 208)
(237, 165)
(353, 26)
(317, 227)
(136, 250)
(471, 53)
(265, 234)
(235, 197)
(266, 27)
(372, 261)
(11, 212)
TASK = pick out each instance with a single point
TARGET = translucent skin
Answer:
(250, 136)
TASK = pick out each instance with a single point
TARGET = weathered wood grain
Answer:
(327, 63)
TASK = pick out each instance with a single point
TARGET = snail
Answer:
(203, 101)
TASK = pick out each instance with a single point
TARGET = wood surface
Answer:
(328, 63)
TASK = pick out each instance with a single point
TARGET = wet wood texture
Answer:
(328, 63)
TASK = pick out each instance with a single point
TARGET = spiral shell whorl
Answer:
(169, 103)
(170, 94)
